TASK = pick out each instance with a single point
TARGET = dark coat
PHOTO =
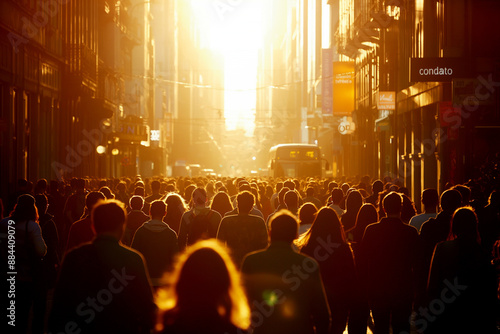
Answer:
(103, 287)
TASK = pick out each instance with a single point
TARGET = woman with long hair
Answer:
(206, 295)
(462, 267)
(176, 206)
(221, 203)
(337, 269)
(353, 203)
(367, 215)
(29, 250)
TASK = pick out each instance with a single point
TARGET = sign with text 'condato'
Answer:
(438, 69)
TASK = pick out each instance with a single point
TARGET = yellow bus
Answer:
(296, 160)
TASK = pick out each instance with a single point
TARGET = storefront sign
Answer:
(386, 100)
(439, 69)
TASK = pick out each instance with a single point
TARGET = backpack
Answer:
(199, 228)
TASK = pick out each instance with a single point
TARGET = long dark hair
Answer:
(24, 209)
(326, 224)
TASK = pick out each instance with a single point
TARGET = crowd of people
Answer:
(250, 255)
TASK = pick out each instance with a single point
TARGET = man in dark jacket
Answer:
(387, 257)
(103, 287)
(285, 288)
(157, 242)
(243, 233)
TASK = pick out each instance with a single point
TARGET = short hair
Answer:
(291, 199)
(139, 191)
(41, 203)
(310, 191)
(289, 184)
(430, 197)
(155, 185)
(136, 202)
(158, 208)
(92, 198)
(108, 216)
(337, 195)
(377, 186)
(245, 201)
(281, 194)
(451, 200)
(393, 203)
(464, 224)
(283, 227)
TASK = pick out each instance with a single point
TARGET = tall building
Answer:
(425, 88)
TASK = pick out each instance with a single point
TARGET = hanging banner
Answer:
(343, 88)
(327, 82)
(386, 100)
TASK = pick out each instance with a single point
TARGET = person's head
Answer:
(157, 209)
(107, 192)
(283, 226)
(41, 186)
(326, 226)
(345, 187)
(494, 198)
(139, 191)
(24, 209)
(307, 213)
(175, 203)
(464, 225)
(430, 199)
(337, 195)
(354, 201)
(108, 217)
(291, 200)
(465, 192)
(199, 196)
(41, 203)
(92, 198)
(281, 195)
(155, 186)
(393, 203)
(450, 200)
(136, 202)
(289, 184)
(377, 186)
(217, 289)
(221, 203)
(310, 192)
(332, 185)
(367, 215)
(121, 186)
(279, 185)
(245, 201)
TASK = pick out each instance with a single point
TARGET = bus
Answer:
(296, 160)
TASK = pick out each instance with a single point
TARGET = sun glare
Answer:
(234, 29)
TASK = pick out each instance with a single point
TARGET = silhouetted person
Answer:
(291, 200)
(135, 218)
(387, 258)
(463, 279)
(207, 295)
(81, 231)
(367, 215)
(311, 198)
(175, 209)
(29, 249)
(489, 222)
(337, 269)
(377, 187)
(337, 195)
(155, 189)
(157, 242)
(198, 223)
(49, 266)
(106, 192)
(353, 203)
(307, 214)
(285, 286)
(432, 232)
(103, 287)
(243, 233)
(74, 208)
(221, 203)
(274, 197)
(430, 201)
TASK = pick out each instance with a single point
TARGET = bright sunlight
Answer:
(234, 28)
